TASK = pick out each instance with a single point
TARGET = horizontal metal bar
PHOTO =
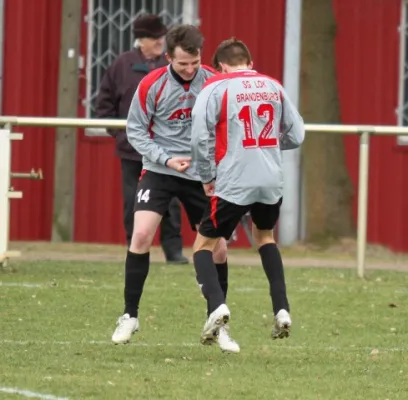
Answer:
(29, 175)
(63, 122)
(402, 140)
(96, 132)
(12, 194)
(353, 129)
(121, 123)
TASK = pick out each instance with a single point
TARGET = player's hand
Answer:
(209, 188)
(179, 164)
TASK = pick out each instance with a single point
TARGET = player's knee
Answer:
(220, 252)
(203, 243)
(262, 237)
(141, 240)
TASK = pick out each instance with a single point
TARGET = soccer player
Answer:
(241, 122)
(159, 128)
(116, 92)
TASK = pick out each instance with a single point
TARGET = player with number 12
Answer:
(242, 120)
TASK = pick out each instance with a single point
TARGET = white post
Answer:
(402, 56)
(363, 175)
(289, 225)
(88, 68)
(5, 163)
(401, 110)
(2, 11)
(189, 12)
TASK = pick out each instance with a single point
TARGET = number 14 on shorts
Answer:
(143, 195)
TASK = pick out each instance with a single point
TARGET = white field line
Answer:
(21, 284)
(30, 394)
(260, 346)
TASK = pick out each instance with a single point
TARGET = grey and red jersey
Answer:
(241, 123)
(159, 120)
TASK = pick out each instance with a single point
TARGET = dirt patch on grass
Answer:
(340, 254)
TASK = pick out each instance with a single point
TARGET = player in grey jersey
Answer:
(242, 120)
(159, 128)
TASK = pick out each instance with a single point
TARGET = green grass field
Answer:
(349, 339)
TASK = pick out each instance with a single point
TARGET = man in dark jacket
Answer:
(115, 95)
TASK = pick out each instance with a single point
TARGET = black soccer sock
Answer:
(222, 270)
(207, 277)
(273, 267)
(136, 271)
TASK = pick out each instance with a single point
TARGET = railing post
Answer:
(363, 175)
(5, 165)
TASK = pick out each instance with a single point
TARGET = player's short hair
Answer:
(188, 37)
(232, 52)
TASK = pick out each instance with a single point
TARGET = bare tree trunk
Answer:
(64, 172)
(328, 188)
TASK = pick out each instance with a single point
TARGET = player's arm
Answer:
(292, 126)
(205, 116)
(138, 124)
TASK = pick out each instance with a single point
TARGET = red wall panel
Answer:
(98, 190)
(30, 85)
(99, 208)
(260, 25)
(367, 51)
(98, 202)
(367, 69)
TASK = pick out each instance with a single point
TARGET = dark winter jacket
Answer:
(116, 91)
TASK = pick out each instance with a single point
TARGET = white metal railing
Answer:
(365, 131)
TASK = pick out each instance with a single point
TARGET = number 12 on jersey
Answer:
(264, 139)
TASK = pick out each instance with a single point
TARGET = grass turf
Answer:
(349, 338)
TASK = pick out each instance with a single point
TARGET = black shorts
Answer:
(155, 191)
(221, 217)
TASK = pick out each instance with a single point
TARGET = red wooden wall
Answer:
(260, 26)
(367, 68)
(98, 216)
(30, 85)
(367, 48)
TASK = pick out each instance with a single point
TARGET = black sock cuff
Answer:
(222, 265)
(269, 246)
(139, 257)
(202, 254)
(203, 251)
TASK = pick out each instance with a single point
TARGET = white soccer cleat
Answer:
(217, 319)
(125, 328)
(225, 341)
(282, 325)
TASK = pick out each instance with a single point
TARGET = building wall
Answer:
(260, 26)
(30, 86)
(98, 207)
(367, 50)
